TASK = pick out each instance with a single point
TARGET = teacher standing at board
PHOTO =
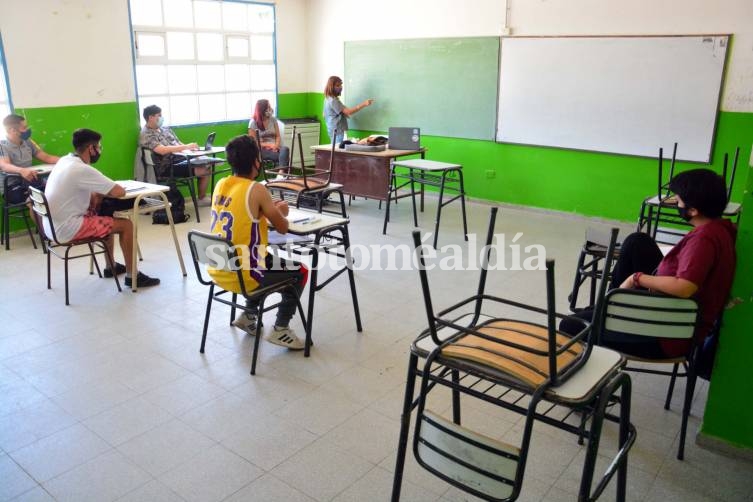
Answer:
(336, 114)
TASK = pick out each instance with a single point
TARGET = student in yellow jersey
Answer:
(241, 210)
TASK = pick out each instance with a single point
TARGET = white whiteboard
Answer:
(628, 95)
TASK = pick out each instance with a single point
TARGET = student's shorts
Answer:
(94, 226)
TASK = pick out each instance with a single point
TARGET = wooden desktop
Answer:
(366, 174)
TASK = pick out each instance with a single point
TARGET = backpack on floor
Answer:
(178, 208)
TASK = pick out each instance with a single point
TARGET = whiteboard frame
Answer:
(706, 156)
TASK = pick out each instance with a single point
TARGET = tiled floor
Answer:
(109, 398)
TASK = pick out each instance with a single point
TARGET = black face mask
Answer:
(93, 158)
(683, 212)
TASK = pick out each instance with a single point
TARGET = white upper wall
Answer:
(62, 53)
(332, 22)
(76, 52)
(73, 52)
(291, 45)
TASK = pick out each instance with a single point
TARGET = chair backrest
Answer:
(731, 180)
(309, 177)
(213, 251)
(41, 207)
(662, 189)
(642, 313)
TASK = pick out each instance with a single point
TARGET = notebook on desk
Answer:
(209, 143)
(404, 138)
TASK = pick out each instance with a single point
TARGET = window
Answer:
(5, 105)
(204, 60)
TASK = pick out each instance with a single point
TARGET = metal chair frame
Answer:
(42, 208)
(305, 182)
(17, 210)
(216, 294)
(505, 390)
(662, 311)
(662, 207)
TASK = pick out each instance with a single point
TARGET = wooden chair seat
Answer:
(297, 185)
(524, 365)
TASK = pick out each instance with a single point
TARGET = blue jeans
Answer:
(340, 137)
(280, 158)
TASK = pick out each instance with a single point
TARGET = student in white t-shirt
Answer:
(74, 191)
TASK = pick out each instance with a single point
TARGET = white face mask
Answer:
(269, 112)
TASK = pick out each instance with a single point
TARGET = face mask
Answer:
(338, 91)
(26, 134)
(683, 212)
(93, 158)
(268, 113)
(160, 121)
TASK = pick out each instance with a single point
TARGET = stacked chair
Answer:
(518, 364)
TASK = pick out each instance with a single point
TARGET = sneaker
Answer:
(119, 269)
(247, 322)
(204, 202)
(143, 281)
(285, 337)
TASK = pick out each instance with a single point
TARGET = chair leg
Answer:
(402, 444)
(577, 281)
(49, 282)
(234, 299)
(28, 229)
(6, 228)
(65, 261)
(192, 192)
(255, 354)
(206, 318)
(455, 396)
(671, 388)
(689, 391)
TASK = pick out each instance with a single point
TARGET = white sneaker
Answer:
(204, 202)
(247, 322)
(285, 337)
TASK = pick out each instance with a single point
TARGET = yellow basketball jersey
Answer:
(231, 219)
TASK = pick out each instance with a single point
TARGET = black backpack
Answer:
(178, 208)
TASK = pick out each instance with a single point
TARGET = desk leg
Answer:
(411, 175)
(313, 276)
(172, 230)
(462, 203)
(389, 198)
(351, 277)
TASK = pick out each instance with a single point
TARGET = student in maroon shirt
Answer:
(701, 265)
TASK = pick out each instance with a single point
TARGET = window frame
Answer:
(164, 62)
(4, 67)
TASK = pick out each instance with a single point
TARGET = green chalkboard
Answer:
(445, 86)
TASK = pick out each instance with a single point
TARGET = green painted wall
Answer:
(591, 184)
(587, 183)
(729, 414)
(53, 129)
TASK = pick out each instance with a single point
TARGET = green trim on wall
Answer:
(117, 122)
(587, 183)
(729, 414)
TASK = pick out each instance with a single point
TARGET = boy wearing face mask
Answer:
(74, 190)
(163, 141)
(16, 153)
(265, 122)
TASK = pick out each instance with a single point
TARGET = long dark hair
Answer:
(332, 81)
(261, 108)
